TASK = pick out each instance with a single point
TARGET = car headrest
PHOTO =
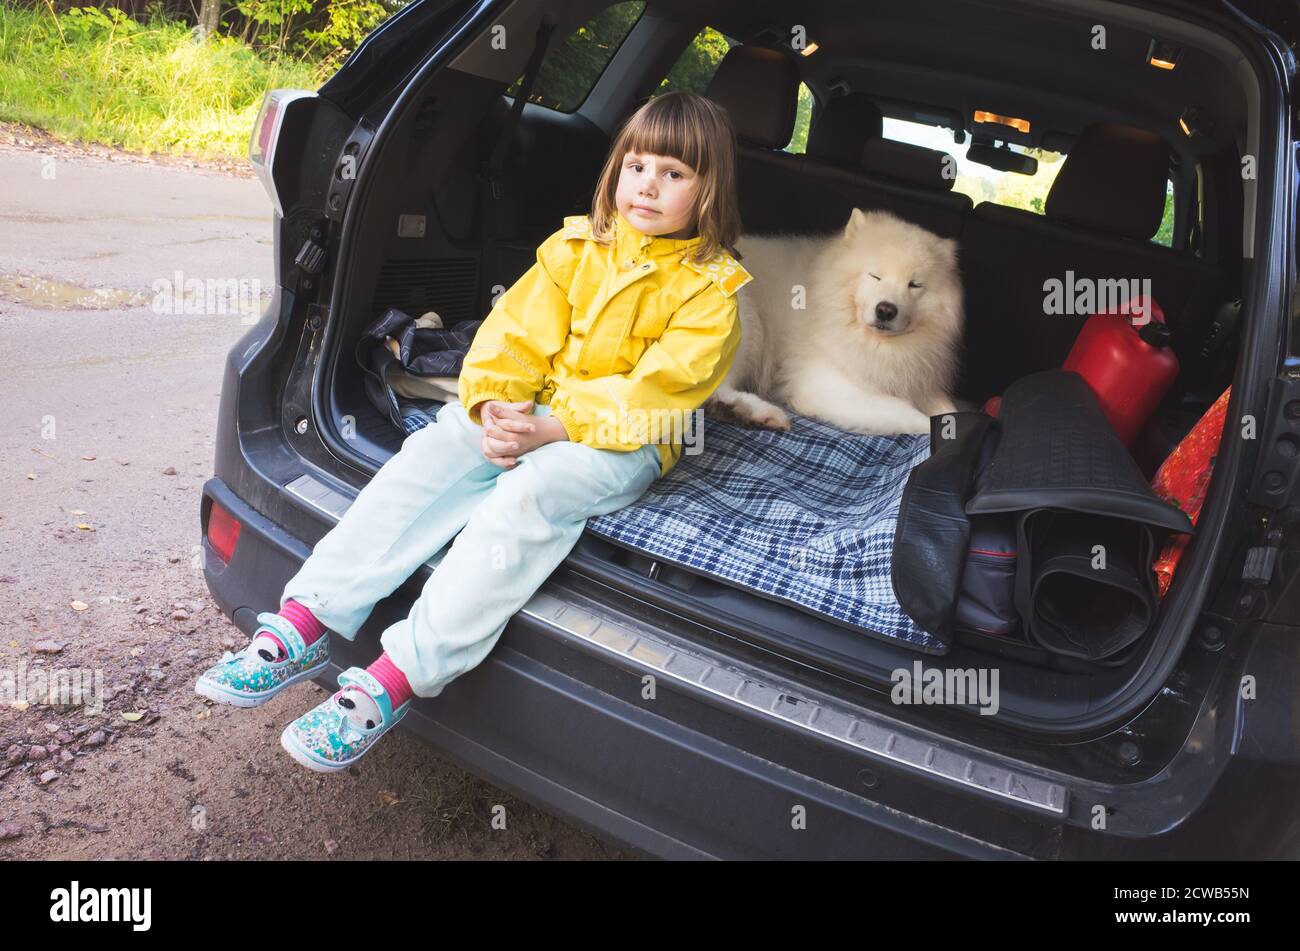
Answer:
(759, 88)
(909, 163)
(843, 128)
(1112, 180)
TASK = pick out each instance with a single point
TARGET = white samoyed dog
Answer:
(860, 329)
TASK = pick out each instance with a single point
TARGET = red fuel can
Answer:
(1129, 368)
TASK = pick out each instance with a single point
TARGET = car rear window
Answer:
(982, 183)
(571, 68)
(695, 67)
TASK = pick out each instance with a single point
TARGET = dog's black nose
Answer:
(885, 312)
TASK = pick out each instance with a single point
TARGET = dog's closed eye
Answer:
(915, 284)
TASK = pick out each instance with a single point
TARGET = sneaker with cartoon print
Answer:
(255, 674)
(332, 736)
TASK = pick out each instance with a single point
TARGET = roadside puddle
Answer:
(246, 299)
(42, 293)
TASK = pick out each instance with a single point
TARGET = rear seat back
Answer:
(907, 180)
(1105, 205)
(759, 88)
(843, 128)
(846, 164)
(847, 153)
(1103, 208)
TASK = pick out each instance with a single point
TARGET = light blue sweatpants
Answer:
(515, 527)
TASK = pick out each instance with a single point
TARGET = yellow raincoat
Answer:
(623, 341)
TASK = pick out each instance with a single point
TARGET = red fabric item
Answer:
(1183, 479)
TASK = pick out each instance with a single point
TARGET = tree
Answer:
(209, 17)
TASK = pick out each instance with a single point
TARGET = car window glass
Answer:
(981, 183)
(698, 62)
(803, 116)
(571, 68)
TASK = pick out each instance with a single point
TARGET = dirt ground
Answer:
(110, 419)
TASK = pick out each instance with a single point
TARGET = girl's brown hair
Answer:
(693, 130)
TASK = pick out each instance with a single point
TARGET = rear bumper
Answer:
(562, 723)
(556, 725)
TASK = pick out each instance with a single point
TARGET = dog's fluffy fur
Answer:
(840, 357)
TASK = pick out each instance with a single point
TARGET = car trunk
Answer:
(413, 241)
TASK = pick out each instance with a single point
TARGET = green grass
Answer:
(143, 87)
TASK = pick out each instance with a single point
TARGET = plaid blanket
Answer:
(804, 517)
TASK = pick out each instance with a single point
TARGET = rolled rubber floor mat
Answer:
(1090, 590)
(1087, 519)
(1058, 451)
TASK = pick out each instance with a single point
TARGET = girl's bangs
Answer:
(667, 132)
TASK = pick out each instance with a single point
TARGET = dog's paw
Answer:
(746, 409)
(755, 412)
(722, 412)
(918, 425)
(771, 417)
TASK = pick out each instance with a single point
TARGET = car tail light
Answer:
(266, 135)
(223, 532)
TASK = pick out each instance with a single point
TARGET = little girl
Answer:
(629, 314)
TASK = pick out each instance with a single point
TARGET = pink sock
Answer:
(392, 679)
(303, 621)
(300, 616)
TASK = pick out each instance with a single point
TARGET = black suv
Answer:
(413, 179)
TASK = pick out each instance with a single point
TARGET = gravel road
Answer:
(111, 409)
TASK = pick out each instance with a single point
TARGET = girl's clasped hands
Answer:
(510, 431)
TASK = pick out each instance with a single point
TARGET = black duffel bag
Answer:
(412, 365)
(1043, 510)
